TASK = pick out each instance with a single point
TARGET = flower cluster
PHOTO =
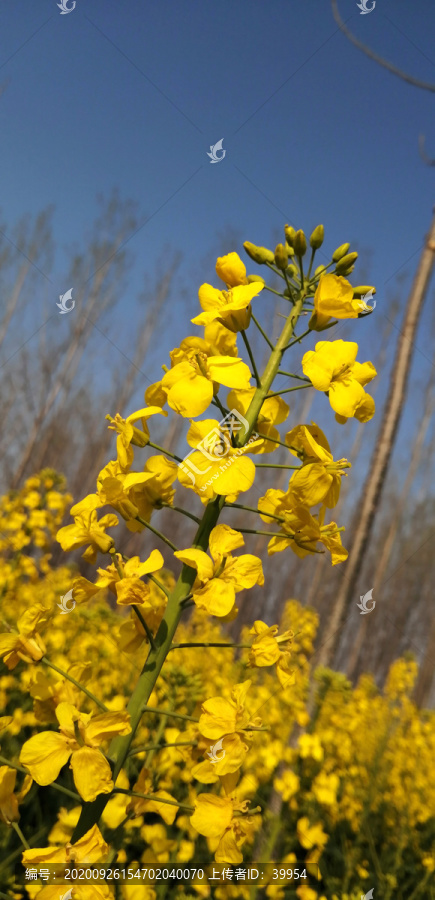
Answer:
(119, 718)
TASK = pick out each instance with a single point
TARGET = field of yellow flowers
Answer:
(112, 700)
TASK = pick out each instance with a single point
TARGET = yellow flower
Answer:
(128, 433)
(135, 494)
(216, 467)
(273, 412)
(319, 478)
(333, 297)
(190, 385)
(220, 717)
(27, 644)
(138, 805)
(332, 367)
(90, 848)
(218, 581)
(219, 340)
(214, 818)
(225, 721)
(8, 800)
(325, 787)
(131, 589)
(310, 747)
(195, 376)
(80, 735)
(231, 270)
(265, 651)
(310, 835)
(87, 530)
(300, 530)
(231, 308)
(287, 784)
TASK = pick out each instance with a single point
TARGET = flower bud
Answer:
(260, 255)
(319, 271)
(292, 271)
(281, 257)
(316, 239)
(300, 243)
(290, 234)
(344, 263)
(339, 252)
(252, 278)
(363, 289)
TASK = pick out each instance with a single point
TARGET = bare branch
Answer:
(425, 85)
(426, 159)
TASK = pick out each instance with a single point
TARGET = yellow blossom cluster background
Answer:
(358, 787)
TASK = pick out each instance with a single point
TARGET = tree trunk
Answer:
(381, 458)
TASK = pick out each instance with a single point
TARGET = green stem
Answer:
(274, 466)
(272, 291)
(166, 452)
(183, 511)
(20, 834)
(145, 627)
(270, 373)
(300, 387)
(253, 508)
(276, 441)
(159, 735)
(169, 713)
(159, 584)
(208, 644)
(292, 375)
(144, 749)
(218, 403)
(275, 269)
(153, 797)
(290, 287)
(298, 339)
(268, 533)
(256, 322)
(156, 532)
(251, 357)
(313, 253)
(76, 683)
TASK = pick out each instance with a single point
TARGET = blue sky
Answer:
(133, 95)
